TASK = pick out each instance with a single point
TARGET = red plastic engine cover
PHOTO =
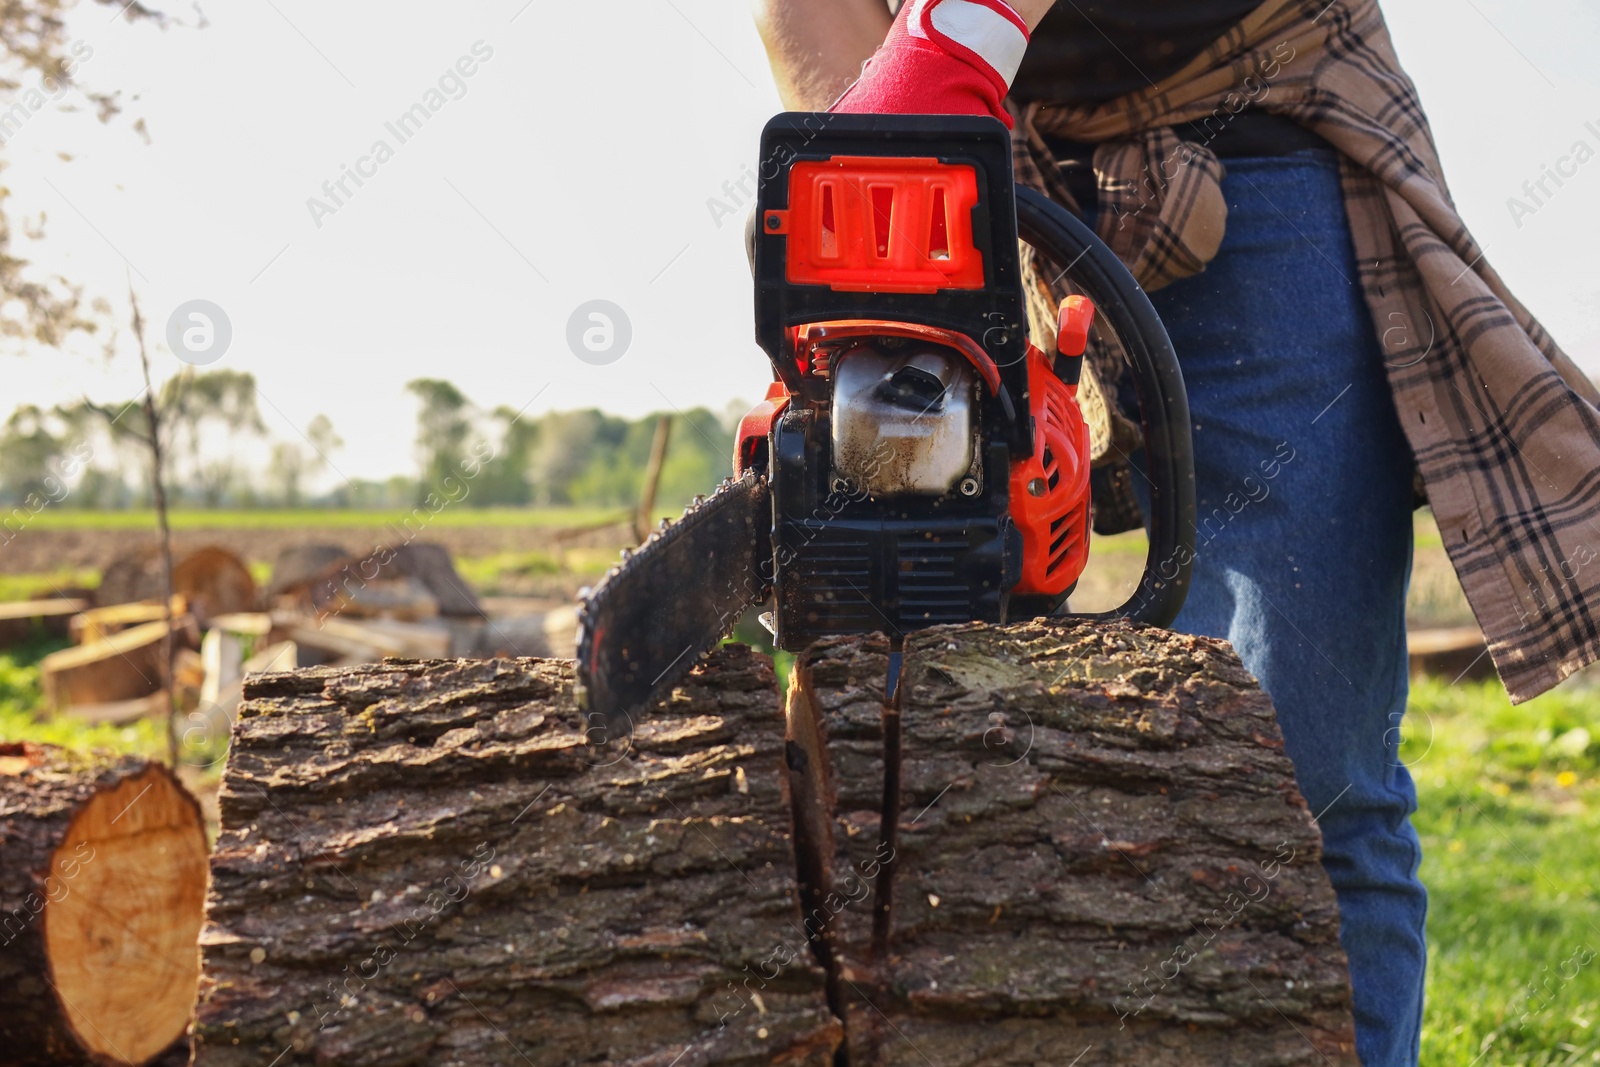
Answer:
(1050, 489)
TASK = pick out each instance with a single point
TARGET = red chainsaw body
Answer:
(898, 225)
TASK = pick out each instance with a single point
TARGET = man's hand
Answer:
(938, 57)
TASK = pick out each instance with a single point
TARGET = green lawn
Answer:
(278, 518)
(22, 718)
(1509, 818)
(31, 586)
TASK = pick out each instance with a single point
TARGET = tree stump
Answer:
(1090, 850)
(1060, 841)
(102, 884)
(424, 862)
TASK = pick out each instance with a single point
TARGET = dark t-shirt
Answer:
(1085, 51)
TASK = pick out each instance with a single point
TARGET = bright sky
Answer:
(576, 163)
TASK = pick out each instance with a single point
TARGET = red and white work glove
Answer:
(942, 57)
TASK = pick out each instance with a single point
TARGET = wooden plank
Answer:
(366, 639)
(40, 609)
(244, 623)
(96, 624)
(279, 656)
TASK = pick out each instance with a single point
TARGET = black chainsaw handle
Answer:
(1163, 402)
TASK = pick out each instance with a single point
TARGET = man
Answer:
(1266, 171)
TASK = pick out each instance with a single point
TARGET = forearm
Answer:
(816, 47)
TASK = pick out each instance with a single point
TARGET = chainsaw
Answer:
(918, 460)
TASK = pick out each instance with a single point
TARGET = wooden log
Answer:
(546, 633)
(1067, 843)
(426, 863)
(1453, 652)
(27, 620)
(213, 580)
(102, 883)
(363, 639)
(123, 666)
(342, 584)
(299, 565)
(405, 598)
(1063, 841)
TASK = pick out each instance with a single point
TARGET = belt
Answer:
(1247, 134)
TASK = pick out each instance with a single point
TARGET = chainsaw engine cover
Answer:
(903, 420)
(846, 562)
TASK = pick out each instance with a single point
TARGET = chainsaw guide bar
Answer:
(670, 602)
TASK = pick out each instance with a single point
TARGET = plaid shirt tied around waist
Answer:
(1504, 428)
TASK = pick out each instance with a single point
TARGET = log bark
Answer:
(1060, 841)
(426, 863)
(102, 881)
(1063, 841)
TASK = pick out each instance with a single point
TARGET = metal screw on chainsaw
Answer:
(199, 332)
(969, 487)
(599, 332)
(840, 486)
(1037, 487)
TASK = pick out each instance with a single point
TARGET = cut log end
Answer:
(135, 908)
(113, 917)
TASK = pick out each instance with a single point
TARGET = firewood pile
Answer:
(323, 606)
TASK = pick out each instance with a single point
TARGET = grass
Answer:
(311, 518)
(22, 717)
(519, 572)
(45, 585)
(489, 572)
(1509, 815)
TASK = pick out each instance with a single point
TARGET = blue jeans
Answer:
(1304, 547)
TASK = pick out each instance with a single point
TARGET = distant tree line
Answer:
(222, 454)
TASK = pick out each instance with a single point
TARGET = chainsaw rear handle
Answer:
(1163, 402)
